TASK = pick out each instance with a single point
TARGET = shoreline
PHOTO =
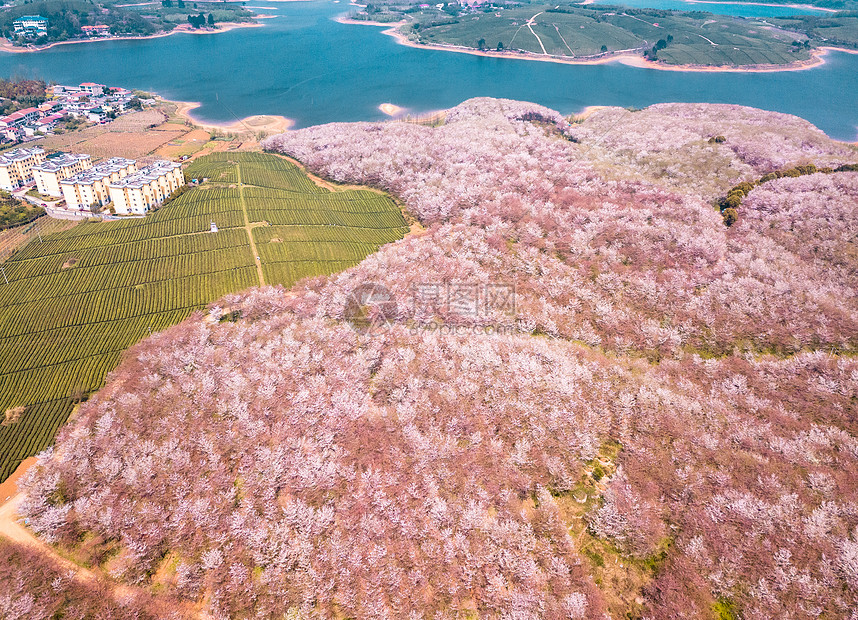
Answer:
(807, 7)
(249, 124)
(223, 27)
(817, 55)
(588, 111)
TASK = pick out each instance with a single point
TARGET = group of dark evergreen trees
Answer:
(652, 53)
(198, 21)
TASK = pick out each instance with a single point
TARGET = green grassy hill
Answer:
(78, 298)
(682, 38)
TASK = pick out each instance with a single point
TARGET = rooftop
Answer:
(14, 116)
(20, 154)
(99, 172)
(146, 175)
(56, 164)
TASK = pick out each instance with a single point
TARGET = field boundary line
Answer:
(110, 245)
(115, 288)
(125, 262)
(247, 227)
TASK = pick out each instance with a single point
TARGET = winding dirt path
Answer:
(14, 531)
(10, 528)
(529, 25)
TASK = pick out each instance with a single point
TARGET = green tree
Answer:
(211, 20)
(481, 44)
(500, 46)
(197, 21)
(732, 201)
(604, 48)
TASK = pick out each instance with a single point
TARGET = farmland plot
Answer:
(77, 298)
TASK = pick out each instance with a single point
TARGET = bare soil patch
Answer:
(12, 415)
(9, 487)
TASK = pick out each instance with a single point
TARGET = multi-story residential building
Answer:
(96, 115)
(91, 88)
(31, 24)
(13, 134)
(19, 118)
(60, 89)
(49, 107)
(49, 174)
(89, 188)
(137, 193)
(16, 167)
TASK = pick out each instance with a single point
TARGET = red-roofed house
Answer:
(46, 124)
(96, 31)
(19, 118)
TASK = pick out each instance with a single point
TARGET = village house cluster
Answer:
(87, 187)
(95, 103)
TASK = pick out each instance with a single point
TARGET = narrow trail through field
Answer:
(529, 25)
(710, 41)
(571, 53)
(249, 227)
(641, 20)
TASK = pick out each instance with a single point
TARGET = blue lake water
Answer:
(737, 9)
(305, 66)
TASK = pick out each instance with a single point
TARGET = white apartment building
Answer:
(89, 188)
(31, 24)
(137, 193)
(91, 88)
(16, 167)
(49, 174)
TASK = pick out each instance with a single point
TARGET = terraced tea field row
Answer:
(77, 298)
